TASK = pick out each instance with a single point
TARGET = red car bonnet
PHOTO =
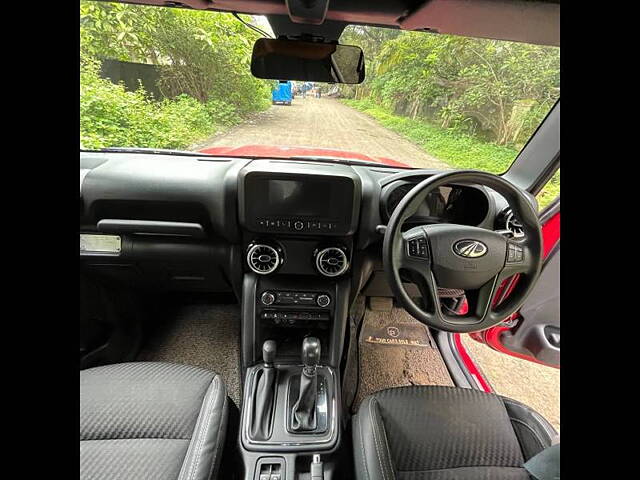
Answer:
(272, 151)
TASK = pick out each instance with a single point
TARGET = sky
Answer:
(261, 21)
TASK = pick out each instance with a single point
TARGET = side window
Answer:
(549, 192)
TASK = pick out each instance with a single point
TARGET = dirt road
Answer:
(323, 123)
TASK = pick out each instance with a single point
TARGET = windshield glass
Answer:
(168, 78)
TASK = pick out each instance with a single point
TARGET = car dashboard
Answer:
(202, 223)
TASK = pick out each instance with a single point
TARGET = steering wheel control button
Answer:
(323, 300)
(422, 247)
(418, 247)
(515, 253)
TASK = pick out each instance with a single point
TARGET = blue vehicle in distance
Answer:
(283, 93)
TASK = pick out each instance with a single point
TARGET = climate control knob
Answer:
(267, 298)
(323, 300)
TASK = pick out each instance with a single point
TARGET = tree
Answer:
(203, 59)
(503, 88)
(201, 54)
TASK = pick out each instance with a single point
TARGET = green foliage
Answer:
(111, 30)
(549, 192)
(204, 67)
(472, 103)
(112, 116)
(494, 89)
(457, 149)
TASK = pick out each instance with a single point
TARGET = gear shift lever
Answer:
(264, 393)
(268, 352)
(310, 354)
(304, 410)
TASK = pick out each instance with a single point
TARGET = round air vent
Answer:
(263, 259)
(332, 262)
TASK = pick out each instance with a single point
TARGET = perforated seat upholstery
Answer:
(442, 433)
(151, 420)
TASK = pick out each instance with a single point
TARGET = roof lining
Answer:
(530, 21)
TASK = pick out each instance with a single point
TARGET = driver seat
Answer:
(443, 433)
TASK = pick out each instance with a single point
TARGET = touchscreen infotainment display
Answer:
(300, 203)
(298, 198)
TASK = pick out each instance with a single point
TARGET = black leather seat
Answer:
(151, 420)
(443, 433)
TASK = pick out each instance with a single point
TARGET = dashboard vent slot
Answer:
(332, 262)
(263, 259)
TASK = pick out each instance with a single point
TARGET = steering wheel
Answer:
(473, 259)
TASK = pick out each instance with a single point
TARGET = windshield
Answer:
(168, 78)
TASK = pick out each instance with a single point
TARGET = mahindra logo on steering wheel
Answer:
(469, 248)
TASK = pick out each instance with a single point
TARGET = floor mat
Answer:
(202, 335)
(396, 350)
(398, 333)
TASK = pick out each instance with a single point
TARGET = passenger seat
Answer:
(151, 420)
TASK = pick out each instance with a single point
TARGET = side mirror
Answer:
(276, 59)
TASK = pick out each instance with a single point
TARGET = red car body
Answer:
(270, 151)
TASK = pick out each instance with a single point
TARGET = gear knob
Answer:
(269, 352)
(310, 352)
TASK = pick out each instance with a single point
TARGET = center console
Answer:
(288, 308)
(294, 408)
(297, 223)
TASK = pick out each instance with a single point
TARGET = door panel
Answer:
(533, 333)
(538, 332)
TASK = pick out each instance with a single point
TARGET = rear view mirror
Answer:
(307, 61)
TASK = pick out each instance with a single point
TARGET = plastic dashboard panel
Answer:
(208, 191)
(131, 178)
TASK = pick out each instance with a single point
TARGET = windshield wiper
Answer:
(162, 151)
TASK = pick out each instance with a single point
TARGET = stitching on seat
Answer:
(546, 426)
(375, 440)
(384, 440)
(375, 437)
(364, 460)
(219, 446)
(135, 438)
(386, 444)
(535, 434)
(375, 413)
(203, 434)
(464, 466)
